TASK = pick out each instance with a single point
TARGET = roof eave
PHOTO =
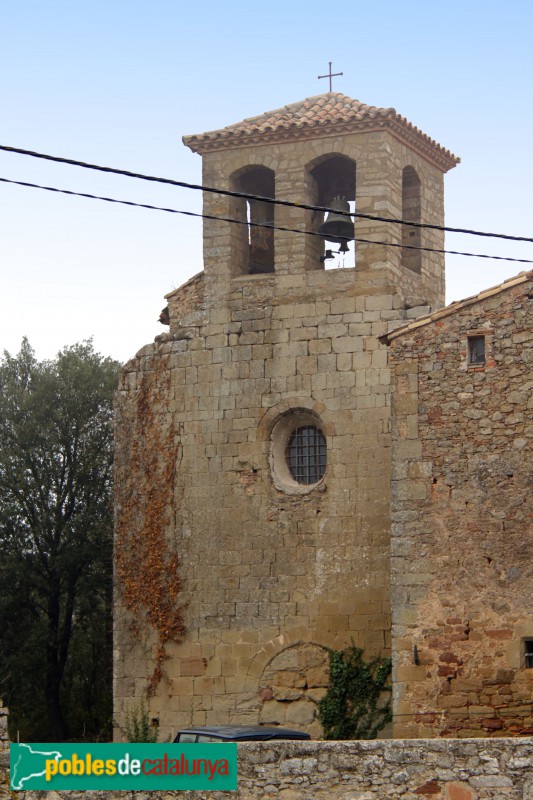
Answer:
(402, 130)
(446, 311)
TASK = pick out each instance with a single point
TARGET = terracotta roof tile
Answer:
(329, 113)
(445, 311)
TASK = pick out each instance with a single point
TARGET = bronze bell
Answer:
(337, 227)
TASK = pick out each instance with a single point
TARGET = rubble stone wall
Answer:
(473, 769)
(462, 544)
(186, 300)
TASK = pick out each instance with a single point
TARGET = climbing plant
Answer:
(147, 566)
(357, 704)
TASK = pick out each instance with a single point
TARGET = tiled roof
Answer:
(446, 311)
(324, 114)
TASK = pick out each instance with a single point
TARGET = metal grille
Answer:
(306, 454)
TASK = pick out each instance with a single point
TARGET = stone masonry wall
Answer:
(379, 160)
(272, 571)
(462, 545)
(271, 574)
(186, 300)
(475, 769)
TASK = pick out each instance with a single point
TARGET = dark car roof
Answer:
(242, 733)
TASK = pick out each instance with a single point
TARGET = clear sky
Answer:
(119, 82)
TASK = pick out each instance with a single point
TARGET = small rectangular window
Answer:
(476, 350)
(528, 653)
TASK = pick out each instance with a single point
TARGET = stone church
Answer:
(316, 456)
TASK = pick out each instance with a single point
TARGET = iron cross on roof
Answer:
(330, 75)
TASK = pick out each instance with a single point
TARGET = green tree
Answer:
(56, 533)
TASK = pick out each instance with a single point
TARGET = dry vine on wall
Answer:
(146, 565)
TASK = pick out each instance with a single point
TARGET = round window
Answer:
(298, 451)
(306, 454)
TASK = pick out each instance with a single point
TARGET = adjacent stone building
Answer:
(462, 544)
(253, 450)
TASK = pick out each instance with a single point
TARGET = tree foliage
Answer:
(56, 533)
(357, 702)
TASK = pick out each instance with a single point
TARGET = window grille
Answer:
(306, 454)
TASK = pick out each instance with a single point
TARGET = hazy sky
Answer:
(120, 82)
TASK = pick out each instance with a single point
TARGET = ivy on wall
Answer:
(357, 704)
(147, 566)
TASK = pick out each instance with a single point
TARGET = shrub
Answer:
(138, 728)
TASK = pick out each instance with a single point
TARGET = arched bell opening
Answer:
(332, 184)
(253, 241)
(411, 211)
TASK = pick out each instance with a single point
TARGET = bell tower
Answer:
(313, 153)
(253, 446)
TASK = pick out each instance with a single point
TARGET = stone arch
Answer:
(269, 419)
(289, 676)
(253, 247)
(411, 211)
(329, 175)
(334, 173)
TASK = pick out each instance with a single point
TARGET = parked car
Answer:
(237, 733)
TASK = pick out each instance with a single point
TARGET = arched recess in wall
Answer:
(292, 684)
(289, 675)
(411, 211)
(253, 247)
(329, 176)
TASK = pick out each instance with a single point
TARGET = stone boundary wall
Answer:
(451, 769)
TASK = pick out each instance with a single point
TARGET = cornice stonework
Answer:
(321, 117)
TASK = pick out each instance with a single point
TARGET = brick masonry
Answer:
(462, 549)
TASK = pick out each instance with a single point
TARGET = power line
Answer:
(253, 224)
(270, 200)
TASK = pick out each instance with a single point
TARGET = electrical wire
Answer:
(270, 200)
(254, 224)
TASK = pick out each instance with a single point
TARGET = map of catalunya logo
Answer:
(124, 766)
